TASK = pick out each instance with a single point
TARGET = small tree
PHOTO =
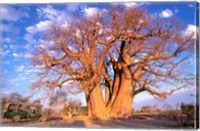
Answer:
(58, 100)
(183, 115)
(37, 104)
(72, 107)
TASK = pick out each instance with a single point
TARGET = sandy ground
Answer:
(137, 121)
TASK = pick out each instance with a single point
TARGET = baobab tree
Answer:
(126, 51)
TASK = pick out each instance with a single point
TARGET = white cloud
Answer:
(57, 16)
(49, 10)
(15, 55)
(11, 14)
(40, 66)
(39, 27)
(31, 29)
(91, 11)
(190, 30)
(42, 26)
(131, 4)
(51, 15)
(29, 38)
(166, 13)
(19, 69)
(29, 71)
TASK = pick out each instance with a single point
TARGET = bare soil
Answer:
(150, 121)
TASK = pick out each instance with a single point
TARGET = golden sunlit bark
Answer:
(122, 104)
(97, 103)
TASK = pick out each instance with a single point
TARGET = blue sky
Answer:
(22, 26)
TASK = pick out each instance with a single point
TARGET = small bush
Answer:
(183, 115)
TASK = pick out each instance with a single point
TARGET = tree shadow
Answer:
(73, 124)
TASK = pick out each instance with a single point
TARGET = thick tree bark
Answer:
(122, 105)
(98, 108)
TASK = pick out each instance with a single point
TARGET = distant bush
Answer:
(149, 109)
(183, 115)
(188, 110)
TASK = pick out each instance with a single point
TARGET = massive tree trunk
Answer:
(122, 105)
(98, 108)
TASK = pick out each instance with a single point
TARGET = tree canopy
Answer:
(125, 51)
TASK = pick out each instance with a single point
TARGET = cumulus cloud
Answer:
(166, 13)
(9, 13)
(39, 27)
(42, 26)
(29, 38)
(91, 11)
(49, 15)
(190, 29)
(52, 14)
(131, 4)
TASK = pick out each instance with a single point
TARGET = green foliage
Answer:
(11, 114)
(15, 104)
